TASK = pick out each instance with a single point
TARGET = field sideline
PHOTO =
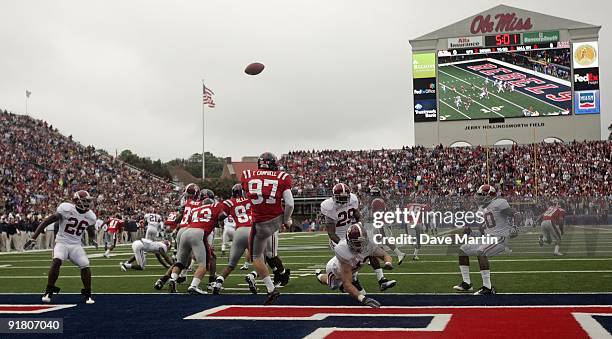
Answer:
(528, 269)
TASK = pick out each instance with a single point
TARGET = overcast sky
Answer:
(127, 74)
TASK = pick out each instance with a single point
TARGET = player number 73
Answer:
(256, 188)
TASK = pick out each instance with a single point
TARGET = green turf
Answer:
(586, 267)
(506, 104)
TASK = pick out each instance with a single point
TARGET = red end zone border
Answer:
(558, 321)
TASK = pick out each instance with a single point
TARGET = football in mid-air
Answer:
(254, 68)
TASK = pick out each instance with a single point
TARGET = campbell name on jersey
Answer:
(496, 224)
(72, 224)
(342, 214)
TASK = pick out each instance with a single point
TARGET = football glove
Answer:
(370, 302)
(30, 244)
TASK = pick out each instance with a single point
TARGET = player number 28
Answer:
(256, 188)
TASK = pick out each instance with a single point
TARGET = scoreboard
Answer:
(501, 40)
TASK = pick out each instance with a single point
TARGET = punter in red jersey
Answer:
(202, 221)
(114, 230)
(552, 226)
(378, 204)
(416, 220)
(267, 188)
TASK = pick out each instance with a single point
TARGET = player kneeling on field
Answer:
(141, 248)
(341, 270)
(73, 219)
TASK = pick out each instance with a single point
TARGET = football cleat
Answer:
(159, 284)
(122, 266)
(463, 287)
(46, 298)
(485, 291)
(541, 241)
(244, 267)
(272, 296)
(385, 284)
(172, 286)
(194, 290)
(87, 296)
(400, 258)
(89, 301)
(415, 258)
(210, 286)
(250, 280)
(217, 287)
(284, 278)
(558, 254)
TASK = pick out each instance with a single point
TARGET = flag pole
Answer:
(203, 136)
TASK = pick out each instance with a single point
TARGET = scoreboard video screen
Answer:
(507, 75)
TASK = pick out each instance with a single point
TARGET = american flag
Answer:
(208, 97)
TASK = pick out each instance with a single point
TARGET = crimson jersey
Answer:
(265, 190)
(418, 211)
(171, 220)
(205, 216)
(239, 209)
(555, 214)
(115, 225)
(187, 207)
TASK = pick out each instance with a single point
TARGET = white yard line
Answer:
(456, 110)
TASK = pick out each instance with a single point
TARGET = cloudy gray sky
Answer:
(126, 74)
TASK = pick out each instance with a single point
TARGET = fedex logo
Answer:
(418, 321)
(589, 77)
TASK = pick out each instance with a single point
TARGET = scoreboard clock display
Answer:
(502, 40)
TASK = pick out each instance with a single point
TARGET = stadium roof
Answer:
(540, 22)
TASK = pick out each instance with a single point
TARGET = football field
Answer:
(468, 81)
(586, 267)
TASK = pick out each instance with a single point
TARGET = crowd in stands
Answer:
(545, 169)
(40, 168)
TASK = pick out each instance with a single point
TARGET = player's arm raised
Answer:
(347, 283)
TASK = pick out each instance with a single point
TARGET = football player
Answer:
(153, 224)
(496, 212)
(141, 248)
(552, 226)
(238, 208)
(416, 220)
(194, 239)
(350, 253)
(72, 218)
(267, 188)
(114, 230)
(342, 211)
(229, 228)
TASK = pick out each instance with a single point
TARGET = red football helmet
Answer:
(341, 193)
(485, 193)
(356, 237)
(267, 161)
(82, 200)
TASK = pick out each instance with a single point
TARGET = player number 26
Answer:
(256, 191)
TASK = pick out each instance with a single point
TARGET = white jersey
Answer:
(342, 214)
(497, 224)
(154, 220)
(355, 259)
(229, 223)
(72, 224)
(153, 246)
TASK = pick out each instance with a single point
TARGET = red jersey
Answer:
(115, 225)
(187, 207)
(417, 211)
(240, 210)
(265, 190)
(378, 205)
(554, 214)
(205, 216)
(171, 220)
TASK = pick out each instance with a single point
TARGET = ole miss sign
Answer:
(502, 22)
